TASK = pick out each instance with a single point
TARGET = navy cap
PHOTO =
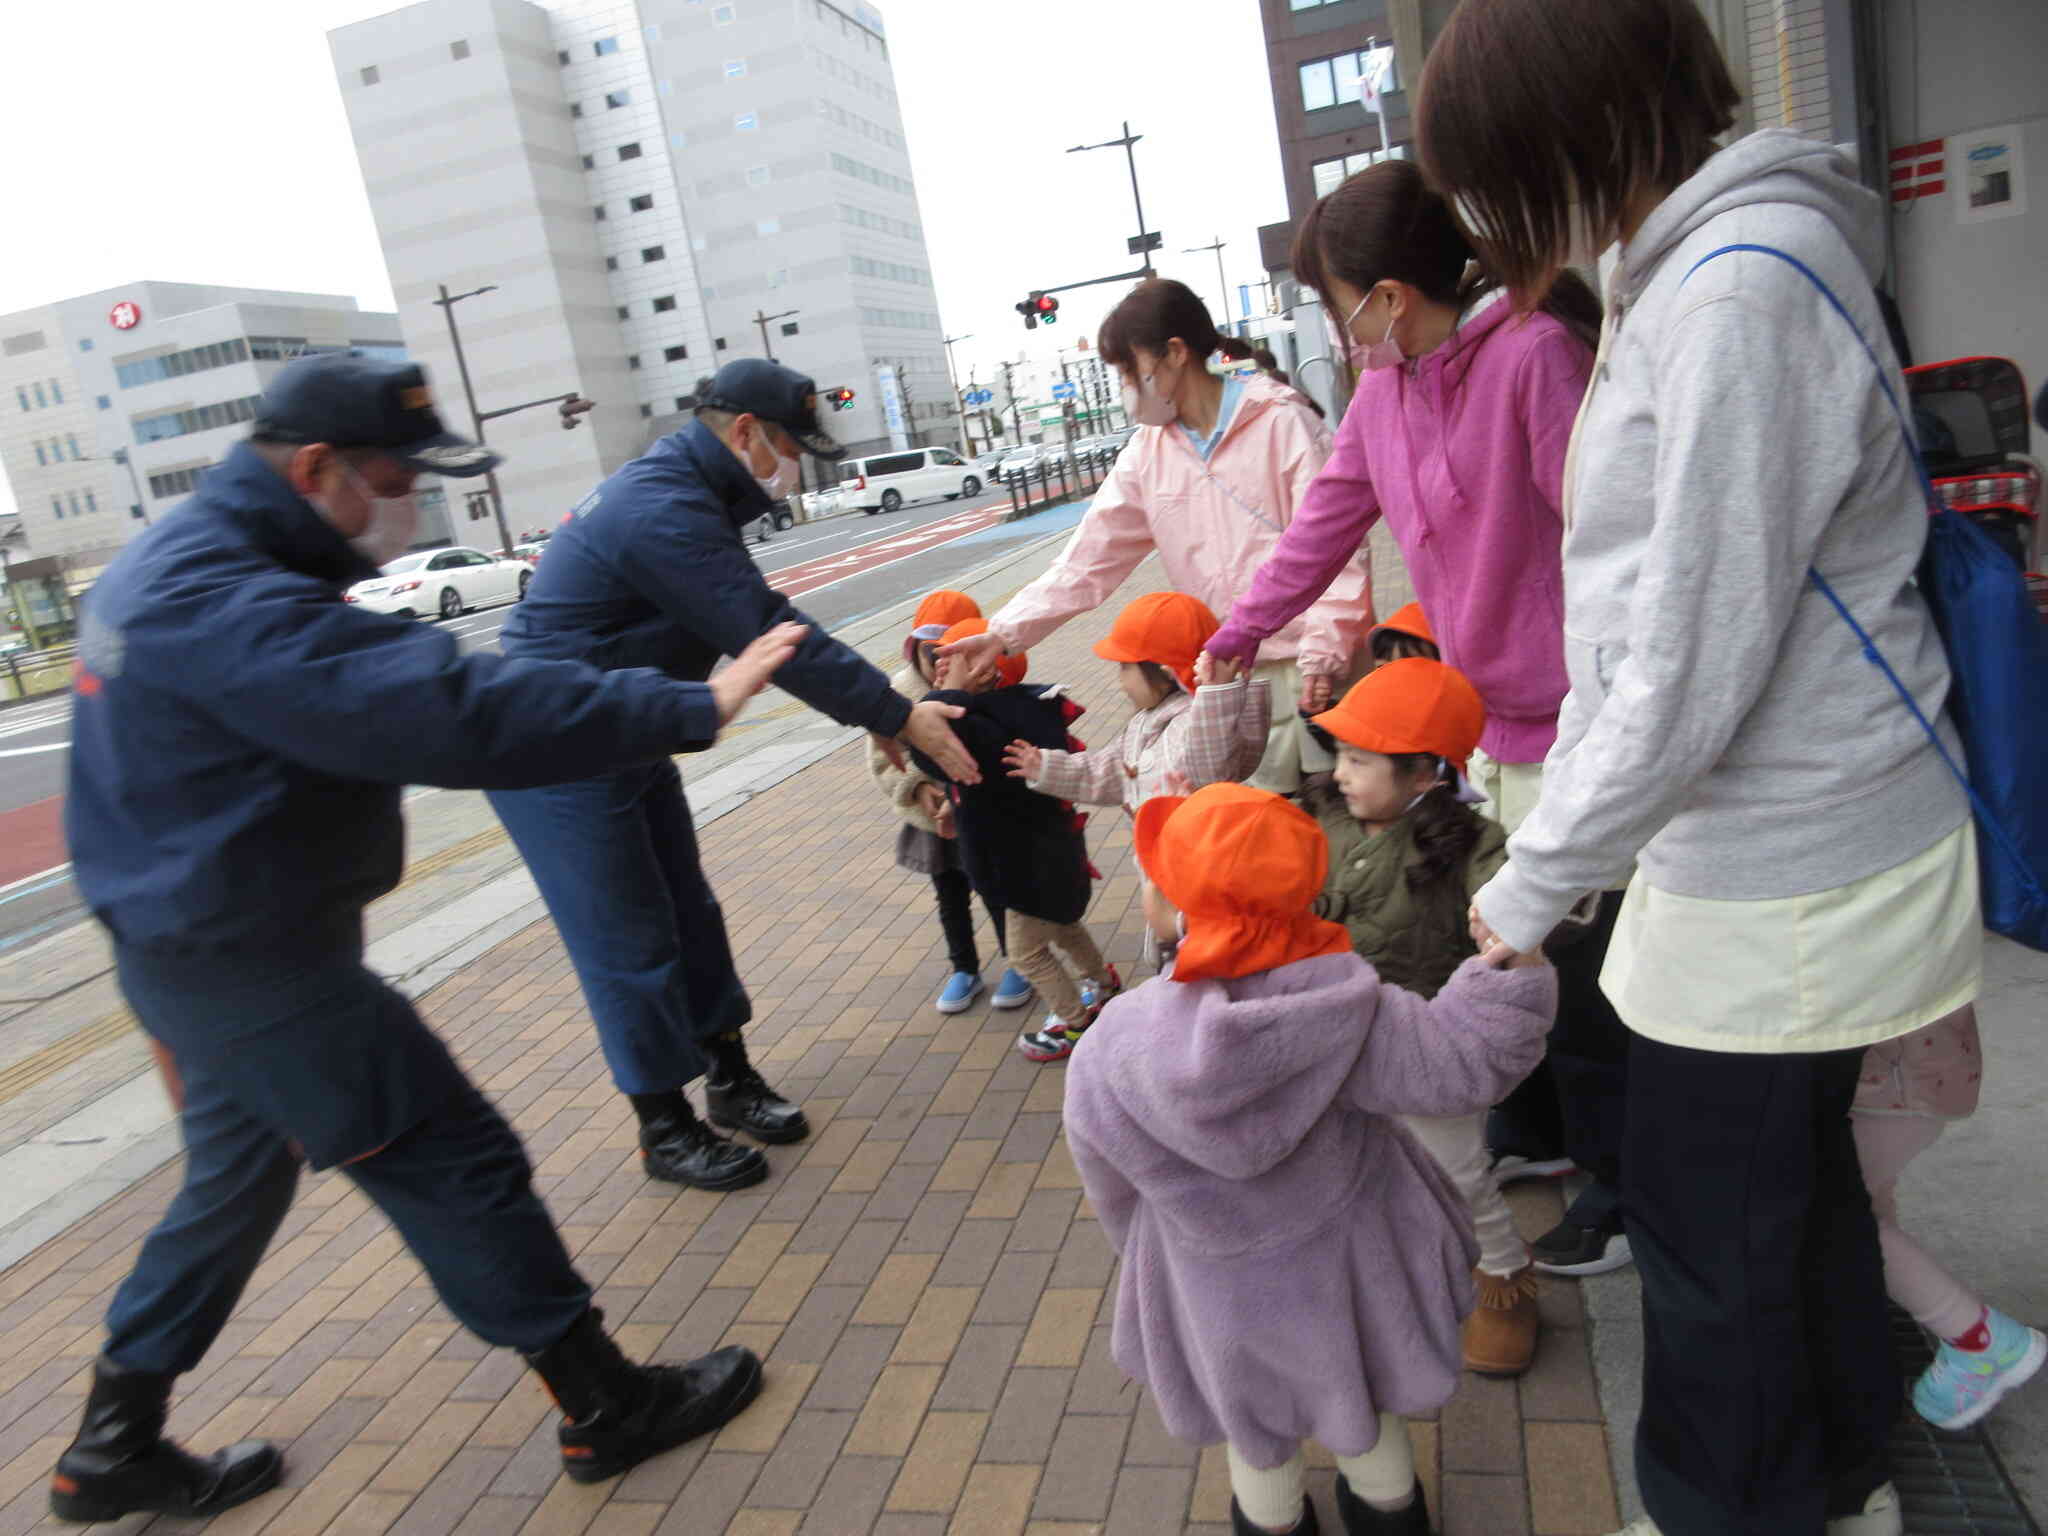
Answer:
(350, 400)
(754, 386)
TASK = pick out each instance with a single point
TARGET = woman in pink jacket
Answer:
(1210, 481)
(1457, 436)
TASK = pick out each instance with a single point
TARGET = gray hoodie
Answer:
(1723, 728)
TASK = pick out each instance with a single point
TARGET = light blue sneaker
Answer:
(1013, 991)
(1962, 1385)
(959, 993)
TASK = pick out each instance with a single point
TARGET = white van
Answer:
(885, 481)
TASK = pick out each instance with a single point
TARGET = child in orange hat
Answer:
(1023, 850)
(1294, 1264)
(1407, 856)
(925, 842)
(1197, 718)
(1403, 634)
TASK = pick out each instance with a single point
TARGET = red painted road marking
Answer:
(810, 575)
(31, 838)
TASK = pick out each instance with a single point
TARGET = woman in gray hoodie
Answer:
(1805, 879)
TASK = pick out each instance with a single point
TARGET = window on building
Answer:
(561, 55)
(85, 343)
(722, 16)
(1330, 82)
(718, 345)
(575, 109)
(39, 456)
(641, 203)
(735, 68)
(779, 278)
(218, 354)
(605, 46)
(71, 440)
(652, 253)
(203, 418)
(789, 327)
(746, 122)
(459, 49)
(56, 391)
(92, 502)
(632, 360)
(72, 497)
(105, 403)
(369, 73)
(21, 394)
(646, 411)
(623, 311)
(598, 213)
(614, 100)
(757, 175)
(664, 303)
(768, 226)
(1331, 174)
(674, 354)
(41, 399)
(175, 482)
(1307, 5)
(629, 151)
(57, 505)
(590, 162)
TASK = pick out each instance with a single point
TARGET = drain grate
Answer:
(1952, 1484)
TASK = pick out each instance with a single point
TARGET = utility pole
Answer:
(959, 405)
(1141, 247)
(1222, 284)
(448, 301)
(763, 321)
(1010, 390)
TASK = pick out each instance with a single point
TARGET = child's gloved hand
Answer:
(1025, 760)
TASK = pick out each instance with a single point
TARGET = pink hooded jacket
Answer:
(1213, 525)
(1463, 452)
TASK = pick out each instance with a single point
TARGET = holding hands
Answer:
(1211, 669)
(1493, 949)
(1025, 761)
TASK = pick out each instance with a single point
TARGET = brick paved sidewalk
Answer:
(928, 1288)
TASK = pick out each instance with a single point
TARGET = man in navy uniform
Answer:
(241, 736)
(652, 571)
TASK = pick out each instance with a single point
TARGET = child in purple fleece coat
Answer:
(1295, 1265)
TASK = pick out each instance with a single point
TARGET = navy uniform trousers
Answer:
(616, 859)
(290, 1056)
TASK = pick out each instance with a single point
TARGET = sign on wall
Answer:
(125, 316)
(892, 405)
(1990, 174)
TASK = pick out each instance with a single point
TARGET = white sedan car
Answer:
(443, 582)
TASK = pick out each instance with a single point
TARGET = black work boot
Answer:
(675, 1145)
(1361, 1519)
(1307, 1525)
(738, 1099)
(121, 1464)
(616, 1414)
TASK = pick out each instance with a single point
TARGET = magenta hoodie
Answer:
(1463, 451)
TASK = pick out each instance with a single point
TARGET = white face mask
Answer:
(782, 481)
(394, 520)
(1145, 405)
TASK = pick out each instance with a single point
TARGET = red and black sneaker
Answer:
(1055, 1042)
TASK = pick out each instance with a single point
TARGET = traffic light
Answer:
(840, 399)
(1028, 308)
(1048, 308)
(572, 410)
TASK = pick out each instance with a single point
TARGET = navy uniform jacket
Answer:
(240, 737)
(651, 571)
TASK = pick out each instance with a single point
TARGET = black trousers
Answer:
(956, 917)
(1574, 1100)
(1768, 1378)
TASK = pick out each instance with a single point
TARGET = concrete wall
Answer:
(1971, 288)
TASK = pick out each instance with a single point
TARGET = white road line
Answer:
(41, 874)
(55, 746)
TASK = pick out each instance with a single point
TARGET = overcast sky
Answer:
(205, 142)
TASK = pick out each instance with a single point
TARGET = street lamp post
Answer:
(1144, 247)
(959, 405)
(448, 301)
(1222, 283)
(763, 321)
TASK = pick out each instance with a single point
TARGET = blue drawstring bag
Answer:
(1998, 662)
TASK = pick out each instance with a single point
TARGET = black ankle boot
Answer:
(1307, 1525)
(1361, 1519)
(677, 1146)
(121, 1464)
(737, 1098)
(616, 1414)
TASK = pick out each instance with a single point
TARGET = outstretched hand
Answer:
(1025, 761)
(752, 668)
(931, 732)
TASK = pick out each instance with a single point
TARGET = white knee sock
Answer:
(1269, 1496)
(1385, 1475)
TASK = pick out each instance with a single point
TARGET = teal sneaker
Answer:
(1963, 1385)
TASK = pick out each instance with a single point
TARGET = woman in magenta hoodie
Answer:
(1457, 436)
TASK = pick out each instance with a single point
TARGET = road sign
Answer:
(1064, 390)
(980, 396)
(1139, 244)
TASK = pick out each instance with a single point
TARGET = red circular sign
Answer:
(125, 316)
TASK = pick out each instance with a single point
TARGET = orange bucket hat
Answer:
(937, 611)
(1010, 669)
(1414, 705)
(1408, 621)
(1243, 866)
(1169, 628)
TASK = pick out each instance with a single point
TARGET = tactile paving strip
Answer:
(1952, 1484)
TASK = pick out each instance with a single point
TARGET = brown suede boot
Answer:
(1500, 1335)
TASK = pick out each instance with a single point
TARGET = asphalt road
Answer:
(837, 571)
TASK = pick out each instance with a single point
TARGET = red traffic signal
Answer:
(572, 410)
(1048, 308)
(840, 399)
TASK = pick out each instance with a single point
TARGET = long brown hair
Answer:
(1150, 316)
(1529, 106)
(1385, 223)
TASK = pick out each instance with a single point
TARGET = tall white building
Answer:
(643, 183)
(113, 403)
